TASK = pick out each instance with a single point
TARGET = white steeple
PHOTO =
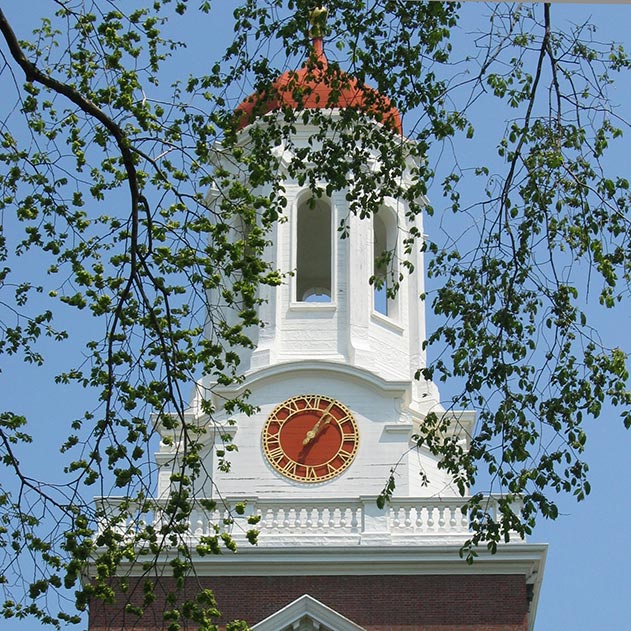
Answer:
(327, 332)
(332, 376)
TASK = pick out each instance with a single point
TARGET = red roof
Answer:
(314, 86)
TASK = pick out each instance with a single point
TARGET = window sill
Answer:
(386, 322)
(313, 306)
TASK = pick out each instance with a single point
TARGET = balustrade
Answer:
(312, 521)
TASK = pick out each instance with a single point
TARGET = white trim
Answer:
(517, 558)
(386, 321)
(339, 369)
(304, 305)
(398, 428)
(306, 607)
(525, 559)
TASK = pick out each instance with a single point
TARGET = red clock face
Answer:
(310, 438)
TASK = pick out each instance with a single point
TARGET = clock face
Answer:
(310, 438)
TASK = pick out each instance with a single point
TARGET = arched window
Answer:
(385, 260)
(313, 258)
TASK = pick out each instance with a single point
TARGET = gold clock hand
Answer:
(309, 437)
(313, 432)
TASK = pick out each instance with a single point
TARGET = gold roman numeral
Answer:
(290, 468)
(345, 420)
(344, 455)
(276, 453)
(275, 421)
(313, 401)
(292, 406)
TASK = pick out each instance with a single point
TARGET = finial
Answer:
(318, 27)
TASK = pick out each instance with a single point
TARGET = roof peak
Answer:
(316, 87)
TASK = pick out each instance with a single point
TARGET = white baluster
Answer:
(408, 517)
(271, 518)
(343, 518)
(452, 517)
(398, 517)
(430, 517)
(419, 517)
(300, 519)
(199, 530)
(464, 520)
(355, 519)
(320, 518)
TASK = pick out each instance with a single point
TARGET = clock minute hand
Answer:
(313, 432)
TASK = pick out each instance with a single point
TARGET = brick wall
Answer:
(377, 603)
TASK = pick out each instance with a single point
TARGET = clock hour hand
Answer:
(313, 432)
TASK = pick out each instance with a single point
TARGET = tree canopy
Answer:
(107, 161)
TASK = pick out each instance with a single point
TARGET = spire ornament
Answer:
(317, 18)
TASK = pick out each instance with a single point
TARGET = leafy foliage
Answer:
(516, 335)
(104, 188)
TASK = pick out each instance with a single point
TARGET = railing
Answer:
(306, 521)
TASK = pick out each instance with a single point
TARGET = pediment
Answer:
(306, 614)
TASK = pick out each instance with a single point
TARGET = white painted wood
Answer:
(287, 523)
(346, 350)
(306, 614)
(342, 349)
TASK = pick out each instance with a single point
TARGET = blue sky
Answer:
(586, 584)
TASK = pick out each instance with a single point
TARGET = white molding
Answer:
(310, 307)
(522, 559)
(526, 560)
(398, 428)
(339, 369)
(387, 322)
(306, 607)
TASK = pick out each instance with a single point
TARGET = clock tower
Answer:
(332, 376)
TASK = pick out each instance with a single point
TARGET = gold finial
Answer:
(318, 22)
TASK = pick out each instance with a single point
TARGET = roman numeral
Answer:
(290, 468)
(276, 422)
(273, 429)
(313, 402)
(275, 453)
(345, 420)
(310, 474)
(292, 406)
(344, 455)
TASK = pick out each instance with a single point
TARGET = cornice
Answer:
(339, 369)
(527, 559)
